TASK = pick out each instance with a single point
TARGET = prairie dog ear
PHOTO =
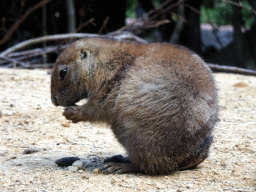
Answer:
(83, 54)
(86, 59)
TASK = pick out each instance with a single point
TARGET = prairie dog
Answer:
(160, 100)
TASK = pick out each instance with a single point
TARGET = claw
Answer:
(110, 168)
(118, 168)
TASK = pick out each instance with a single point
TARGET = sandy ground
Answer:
(30, 121)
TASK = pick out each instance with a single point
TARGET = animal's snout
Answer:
(54, 101)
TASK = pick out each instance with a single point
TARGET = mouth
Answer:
(81, 100)
(73, 103)
(67, 104)
(54, 101)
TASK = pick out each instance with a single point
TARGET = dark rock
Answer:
(66, 161)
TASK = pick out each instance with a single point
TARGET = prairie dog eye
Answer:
(63, 73)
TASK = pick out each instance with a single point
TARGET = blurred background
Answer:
(221, 31)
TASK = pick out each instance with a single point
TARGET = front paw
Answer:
(73, 113)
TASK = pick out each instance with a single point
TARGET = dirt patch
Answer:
(34, 134)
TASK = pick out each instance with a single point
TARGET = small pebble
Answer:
(1, 113)
(96, 171)
(240, 84)
(65, 124)
(66, 161)
(79, 164)
(14, 157)
(73, 169)
(29, 151)
(9, 113)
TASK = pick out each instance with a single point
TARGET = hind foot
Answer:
(119, 165)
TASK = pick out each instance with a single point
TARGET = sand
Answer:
(30, 121)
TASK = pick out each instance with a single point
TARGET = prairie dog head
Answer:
(84, 66)
(71, 73)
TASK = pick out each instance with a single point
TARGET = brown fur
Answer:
(160, 100)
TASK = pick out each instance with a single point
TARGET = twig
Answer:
(158, 11)
(150, 16)
(103, 25)
(215, 33)
(155, 24)
(179, 25)
(232, 69)
(239, 5)
(161, 10)
(212, 24)
(35, 66)
(37, 52)
(195, 10)
(15, 62)
(17, 24)
(84, 24)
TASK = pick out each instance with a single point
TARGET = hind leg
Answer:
(198, 156)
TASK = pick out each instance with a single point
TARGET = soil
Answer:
(34, 134)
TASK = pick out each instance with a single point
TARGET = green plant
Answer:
(130, 9)
(222, 13)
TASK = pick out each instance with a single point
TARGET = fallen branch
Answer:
(38, 40)
(224, 68)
